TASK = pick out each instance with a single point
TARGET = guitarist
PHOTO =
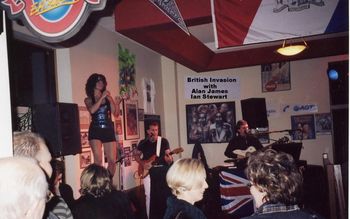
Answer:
(144, 153)
(242, 141)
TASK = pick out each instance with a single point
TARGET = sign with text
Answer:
(212, 88)
(50, 20)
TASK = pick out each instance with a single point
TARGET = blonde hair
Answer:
(95, 181)
(27, 144)
(22, 186)
(185, 174)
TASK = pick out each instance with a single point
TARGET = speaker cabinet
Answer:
(254, 112)
(59, 125)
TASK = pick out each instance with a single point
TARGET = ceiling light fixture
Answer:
(291, 50)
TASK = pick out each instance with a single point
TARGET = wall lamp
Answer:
(291, 49)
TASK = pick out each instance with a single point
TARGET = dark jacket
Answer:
(114, 205)
(280, 211)
(181, 209)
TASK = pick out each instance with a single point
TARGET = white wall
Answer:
(5, 100)
(309, 85)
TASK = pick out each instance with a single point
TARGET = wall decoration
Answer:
(84, 137)
(133, 148)
(212, 87)
(149, 93)
(152, 118)
(127, 156)
(131, 124)
(85, 158)
(210, 123)
(141, 114)
(296, 108)
(118, 126)
(127, 74)
(275, 77)
(323, 123)
(305, 124)
(52, 21)
(84, 118)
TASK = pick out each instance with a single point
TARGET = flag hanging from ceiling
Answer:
(234, 192)
(242, 22)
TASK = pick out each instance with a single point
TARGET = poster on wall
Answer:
(130, 120)
(127, 157)
(85, 158)
(84, 118)
(275, 77)
(148, 119)
(127, 73)
(210, 123)
(323, 123)
(304, 126)
(84, 138)
(149, 94)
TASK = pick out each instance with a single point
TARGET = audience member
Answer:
(99, 200)
(23, 189)
(29, 144)
(276, 184)
(187, 180)
(58, 185)
(57, 204)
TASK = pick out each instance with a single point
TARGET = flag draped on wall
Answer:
(235, 195)
(239, 22)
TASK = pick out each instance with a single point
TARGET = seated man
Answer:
(242, 143)
(23, 189)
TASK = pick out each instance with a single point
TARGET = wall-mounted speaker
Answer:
(58, 124)
(254, 112)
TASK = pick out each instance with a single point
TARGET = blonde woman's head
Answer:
(187, 179)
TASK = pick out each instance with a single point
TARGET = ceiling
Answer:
(144, 23)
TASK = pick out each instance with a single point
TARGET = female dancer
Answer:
(101, 131)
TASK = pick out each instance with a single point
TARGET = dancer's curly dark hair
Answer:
(91, 83)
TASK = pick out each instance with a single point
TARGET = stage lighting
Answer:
(333, 74)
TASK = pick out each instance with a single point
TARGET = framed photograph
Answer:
(148, 119)
(141, 114)
(127, 157)
(304, 126)
(85, 158)
(275, 77)
(133, 148)
(118, 127)
(210, 123)
(323, 123)
(84, 117)
(131, 124)
(84, 137)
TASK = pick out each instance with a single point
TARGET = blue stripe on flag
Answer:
(339, 21)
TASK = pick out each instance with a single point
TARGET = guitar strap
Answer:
(159, 141)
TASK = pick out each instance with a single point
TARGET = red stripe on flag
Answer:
(233, 19)
(235, 191)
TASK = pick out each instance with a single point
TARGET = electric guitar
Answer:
(143, 169)
(251, 149)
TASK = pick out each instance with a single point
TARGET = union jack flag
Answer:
(234, 192)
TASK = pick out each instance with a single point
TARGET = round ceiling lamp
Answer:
(291, 50)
